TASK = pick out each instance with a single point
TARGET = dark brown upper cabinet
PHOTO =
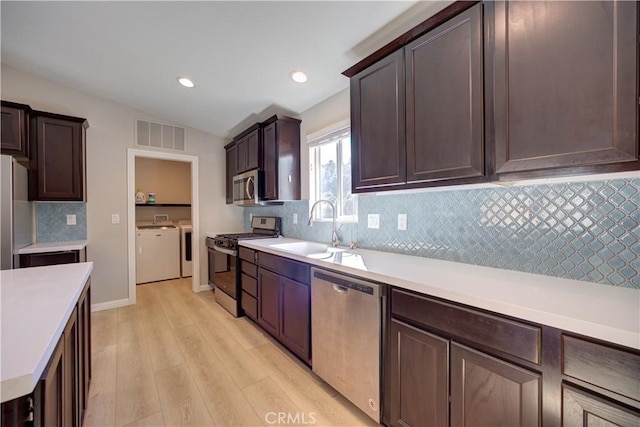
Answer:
(57, 164)
(14, 139)
(273, 147)
(249, 149)
(565, 87)
(499, 91)
(281, 165)
(377, 125)
(231, 159)
(417, 114)
(444, 101)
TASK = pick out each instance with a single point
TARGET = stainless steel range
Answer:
(224, 258)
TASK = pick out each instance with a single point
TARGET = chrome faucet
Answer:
(334, 235)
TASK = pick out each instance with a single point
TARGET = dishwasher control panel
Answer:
(344, 282)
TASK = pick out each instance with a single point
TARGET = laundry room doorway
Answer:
(163, 219)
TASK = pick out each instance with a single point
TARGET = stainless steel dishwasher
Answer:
(346, 325)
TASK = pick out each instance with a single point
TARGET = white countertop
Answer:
(36, 304)
(609, 313)
(37, 248)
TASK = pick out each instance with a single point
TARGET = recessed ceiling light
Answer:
(298, 76)
(185, 82)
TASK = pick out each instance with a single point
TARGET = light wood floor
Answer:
(177, 358)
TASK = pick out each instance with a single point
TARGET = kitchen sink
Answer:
(307, 249)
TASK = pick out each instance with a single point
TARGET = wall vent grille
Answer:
(158, 135)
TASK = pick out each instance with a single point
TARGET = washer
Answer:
(157, 252)
(186, 248)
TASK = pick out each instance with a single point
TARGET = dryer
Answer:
(186, 248)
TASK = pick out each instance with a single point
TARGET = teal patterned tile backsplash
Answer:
(52, 222)
(583, 230)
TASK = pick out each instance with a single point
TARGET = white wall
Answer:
(110, 134)
(169, 180)
(323, 115)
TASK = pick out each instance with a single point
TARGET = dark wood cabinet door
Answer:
(14, 129)
(486, 391)
(445, 101)
(57, 159)
(49, 258)
(582, 409)
(71, 411)
(231, 159)
(419, 383)
(248, 150)
(20, 412)
(270, 164)
(241, 153)
(269, 301)
(52, 389)
(281, 158)
(296, 317)
(84, 349)
(378, 144)
(565, 94)
(253, 150)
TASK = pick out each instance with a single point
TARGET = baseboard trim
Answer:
(110, 304)
(203, 288)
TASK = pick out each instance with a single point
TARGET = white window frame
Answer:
(335, 133)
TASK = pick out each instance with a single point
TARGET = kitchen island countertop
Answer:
(609, 313)
(36, 304)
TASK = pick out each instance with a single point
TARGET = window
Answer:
(330, 175)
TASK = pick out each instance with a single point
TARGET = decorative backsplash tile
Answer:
(586, 230)
(52, 225)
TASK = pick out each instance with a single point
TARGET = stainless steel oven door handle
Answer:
(249, 182)
(225, 251)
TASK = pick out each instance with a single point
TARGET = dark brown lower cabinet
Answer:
(284, 311)
(486, 391)
(51, 390)
(84, 349)
(70, 413)
(296, 317)
(449, 364)
(269, 301)
(583, 409)
(52, 258)
(19, 412)
(60, 397)
(419, 377)
(249, 282)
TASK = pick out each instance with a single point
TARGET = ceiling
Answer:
(238, 53)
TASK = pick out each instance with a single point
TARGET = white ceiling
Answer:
(239, 54)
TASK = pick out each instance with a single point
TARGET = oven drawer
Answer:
(250, 285)
(250, 305)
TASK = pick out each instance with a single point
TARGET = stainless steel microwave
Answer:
(247, 188)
